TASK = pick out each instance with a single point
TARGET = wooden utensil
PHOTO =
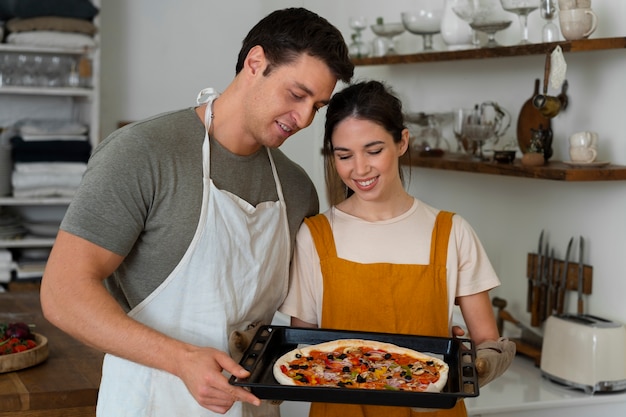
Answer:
(530, 118)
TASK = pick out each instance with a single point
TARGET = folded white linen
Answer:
(33, 126)
(51, 168)
(34, 138)
(44, 192)
(23, 180)
(5, 256)
(50, 38)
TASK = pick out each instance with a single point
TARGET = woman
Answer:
(381, 260)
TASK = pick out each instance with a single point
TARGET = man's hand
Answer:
(493, 358)
(201, 371)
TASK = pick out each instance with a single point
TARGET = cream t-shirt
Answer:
(404, 239)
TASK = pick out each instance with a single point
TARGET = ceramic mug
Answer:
(574, 4)
(577, 23)
(583, 147)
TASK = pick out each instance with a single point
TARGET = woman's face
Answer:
(367, 159)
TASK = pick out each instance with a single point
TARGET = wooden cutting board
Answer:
(530, 118)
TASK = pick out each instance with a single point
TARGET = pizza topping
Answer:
(363, 367)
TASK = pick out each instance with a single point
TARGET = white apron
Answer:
(234, 272)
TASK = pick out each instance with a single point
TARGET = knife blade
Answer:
(534, 278)
(581, 268)
(534, 307)
(560, 306)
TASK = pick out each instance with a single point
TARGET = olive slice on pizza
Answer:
(365, 364)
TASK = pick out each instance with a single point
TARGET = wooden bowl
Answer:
(16, 361)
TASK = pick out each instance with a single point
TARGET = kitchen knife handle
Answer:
(550, 302)
(535, 319)
(543, 296)
(560, 300)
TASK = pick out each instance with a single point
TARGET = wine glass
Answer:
(522, 8)
(425, 20)
(490, 28)
(388, 31)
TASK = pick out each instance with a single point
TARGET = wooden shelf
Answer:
(553, 170)
(582, 45)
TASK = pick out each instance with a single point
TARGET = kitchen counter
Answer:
(522, 391)
(65, 385)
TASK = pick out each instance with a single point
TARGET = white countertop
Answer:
(522, 389)
(522, 392)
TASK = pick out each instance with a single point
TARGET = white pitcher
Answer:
(455, 32)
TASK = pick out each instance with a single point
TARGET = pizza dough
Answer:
(358, 363)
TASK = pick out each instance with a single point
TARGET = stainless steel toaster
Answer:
(584, 351)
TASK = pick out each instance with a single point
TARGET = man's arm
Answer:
(73, 298)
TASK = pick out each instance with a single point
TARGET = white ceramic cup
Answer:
(574, 4)
(577, 23)
(583, 147)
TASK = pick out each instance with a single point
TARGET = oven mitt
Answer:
(238, 342)
(493, 358)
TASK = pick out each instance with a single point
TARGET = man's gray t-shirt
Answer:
(142, 191)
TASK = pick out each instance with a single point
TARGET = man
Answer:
(182, 229)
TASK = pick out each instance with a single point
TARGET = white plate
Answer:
(587, 164)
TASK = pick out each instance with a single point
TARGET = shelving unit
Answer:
(80, 104)
(553, 170)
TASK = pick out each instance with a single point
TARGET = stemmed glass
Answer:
(483, 16)
(464, 9)
(425, 21)
(358, 49)
(490, 28)
(479, 133)
(388, 31)
(522, 8)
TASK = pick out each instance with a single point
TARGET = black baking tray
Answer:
(271, 342)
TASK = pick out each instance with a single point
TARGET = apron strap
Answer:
(322, 236)
(440, 238)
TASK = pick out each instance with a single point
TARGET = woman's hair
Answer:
(286, 34)
(366, 100)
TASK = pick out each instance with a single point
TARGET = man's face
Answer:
(286, 100)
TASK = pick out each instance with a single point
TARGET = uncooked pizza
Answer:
(365, 364)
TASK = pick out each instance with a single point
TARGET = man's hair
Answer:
(286, 34)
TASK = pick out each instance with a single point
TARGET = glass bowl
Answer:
(424, 21)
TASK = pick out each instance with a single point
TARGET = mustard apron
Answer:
(383, 297)
(234, 272)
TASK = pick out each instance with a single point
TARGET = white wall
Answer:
(157, 54)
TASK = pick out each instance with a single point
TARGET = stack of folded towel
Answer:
(59, 23)
(49, 157)
(6, 265)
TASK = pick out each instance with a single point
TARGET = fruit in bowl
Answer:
(20, 347)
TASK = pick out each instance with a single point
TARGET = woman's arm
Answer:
(478, 315)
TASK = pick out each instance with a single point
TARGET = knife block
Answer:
(571, 279)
